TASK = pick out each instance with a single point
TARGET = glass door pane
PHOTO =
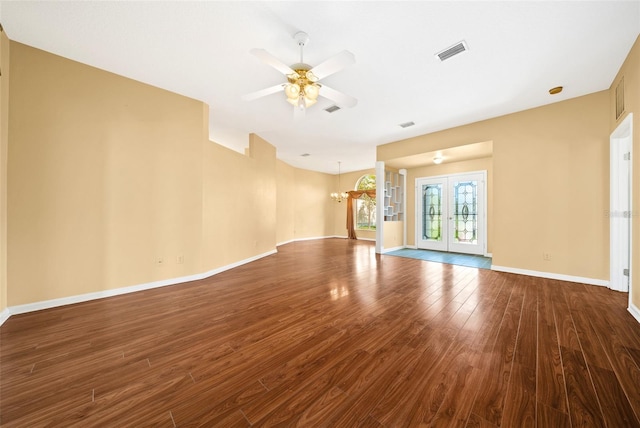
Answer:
(432, 209)
(465, 216)
(431, 197)
(466, 213)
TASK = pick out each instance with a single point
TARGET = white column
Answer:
(403, 173)
(379, 206)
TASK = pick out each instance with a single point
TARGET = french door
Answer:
(451, 214)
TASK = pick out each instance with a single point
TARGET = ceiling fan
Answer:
(302, 87)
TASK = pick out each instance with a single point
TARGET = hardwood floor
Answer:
(326, 333)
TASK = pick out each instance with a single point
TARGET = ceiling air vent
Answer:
(453, 51)
(332, 109)
(407, 124)
(304, 155)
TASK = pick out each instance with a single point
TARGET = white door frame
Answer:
(483, 214)
(620, 206)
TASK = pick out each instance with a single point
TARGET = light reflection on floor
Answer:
(450, 267)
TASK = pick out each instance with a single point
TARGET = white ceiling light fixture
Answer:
(556, 90)
(437, 160)
(339, 196)
(302, 88)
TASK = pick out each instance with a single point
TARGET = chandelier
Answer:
(339, 196)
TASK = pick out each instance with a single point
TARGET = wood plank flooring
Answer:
(327, 333)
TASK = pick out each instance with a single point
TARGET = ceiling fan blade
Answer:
(333, 64)
(343, 100)
(274, 62)
(263, 92)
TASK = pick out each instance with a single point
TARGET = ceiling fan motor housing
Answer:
(301, 38)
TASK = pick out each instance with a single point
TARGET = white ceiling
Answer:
(517, 52)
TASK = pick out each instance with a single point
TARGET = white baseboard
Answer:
(346, 237)
(313, 238)
(549, 275)
(47, 304)
(234, 265)
(411, 247)
(634, 311)
(386, 250)
(322, 237)
(488, 255)
(4, 315)
(285, 242)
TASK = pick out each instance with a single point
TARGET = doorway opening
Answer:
(620, 213)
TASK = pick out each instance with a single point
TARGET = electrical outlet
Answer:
(546, 257)
(180, 259)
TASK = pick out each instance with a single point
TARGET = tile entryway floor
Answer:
(469, 260)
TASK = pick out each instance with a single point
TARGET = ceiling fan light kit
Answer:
(302, 91)
(302, 88)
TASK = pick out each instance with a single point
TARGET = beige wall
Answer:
(550, 183)
(239, 203)
(393, 234)
(285, 202)
(105, 179)
(301, 192)
(313, 208)
(4, 140)
(106, 176)
(483, 164)
(114, 183)
(630, 70)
